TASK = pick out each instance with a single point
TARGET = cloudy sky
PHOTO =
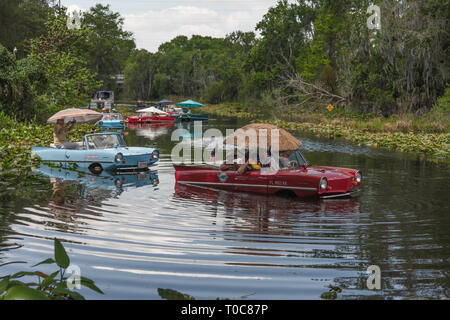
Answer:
(156, 21)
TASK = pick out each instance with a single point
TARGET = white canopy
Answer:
(151, 110)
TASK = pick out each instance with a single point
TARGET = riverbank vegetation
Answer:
(428, 135)
(17, 138)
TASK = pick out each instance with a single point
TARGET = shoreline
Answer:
(16, 138)
(433, 147)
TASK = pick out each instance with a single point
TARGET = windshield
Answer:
(291, 159)
(103, 95)
(112, 116)
(105, 141)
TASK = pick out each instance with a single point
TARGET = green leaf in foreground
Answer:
(170, 294)
(72, 294)
(331, 295)
(61, 257)
(46, 261)
(4, 284)
(25, 293)
(49, 280)
(90, 284)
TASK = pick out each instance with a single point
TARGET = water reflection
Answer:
(96, 187)
(264, 221)
(75, 193)
(151, 131)
(238, 203)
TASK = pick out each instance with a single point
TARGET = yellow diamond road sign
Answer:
(330, 107)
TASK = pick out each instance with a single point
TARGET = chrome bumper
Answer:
(340, 195)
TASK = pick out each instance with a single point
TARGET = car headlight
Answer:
(100, 123)
(155, 154)
(118, 157)
(358, 177)
(323, 184)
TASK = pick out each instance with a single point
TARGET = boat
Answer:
(111, 120)
(98, 152)
(302, 181)
(285, 173)
(172, 111)
(102, 100)
(187, 115)
(151, 115)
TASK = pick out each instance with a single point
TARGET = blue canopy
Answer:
(164, 101)
(190, 103)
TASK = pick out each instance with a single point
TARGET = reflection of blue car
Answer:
(105, 181)
(98, 152)
(111, 121)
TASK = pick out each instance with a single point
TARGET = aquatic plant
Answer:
(426, 137)
(170, 294)
(332, 293)
(49, 286)
(16, 141)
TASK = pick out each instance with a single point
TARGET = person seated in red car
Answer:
(249, 164)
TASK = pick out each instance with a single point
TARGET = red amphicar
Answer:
(151, 115)
(288, 173)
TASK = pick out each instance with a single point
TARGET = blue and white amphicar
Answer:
(98, 152)
(111, 121)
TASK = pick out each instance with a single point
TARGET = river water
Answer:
(136, 234)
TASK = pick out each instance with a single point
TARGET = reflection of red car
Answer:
(150, 119)
(234, 202)
(298, 178)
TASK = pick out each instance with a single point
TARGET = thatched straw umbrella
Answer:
(264, 136)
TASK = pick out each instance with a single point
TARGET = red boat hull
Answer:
(148, 119)
(303, 182)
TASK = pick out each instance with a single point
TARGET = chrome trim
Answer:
(294, 188)
(223, 184)
(340, 195)
(245, 185)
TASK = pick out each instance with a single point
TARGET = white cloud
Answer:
(152, 28)
(156, 22)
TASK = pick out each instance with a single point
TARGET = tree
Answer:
(20, 82)
(139, 72)
(21, 20)
(59, 51)
(109, 46)
(284, 29)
